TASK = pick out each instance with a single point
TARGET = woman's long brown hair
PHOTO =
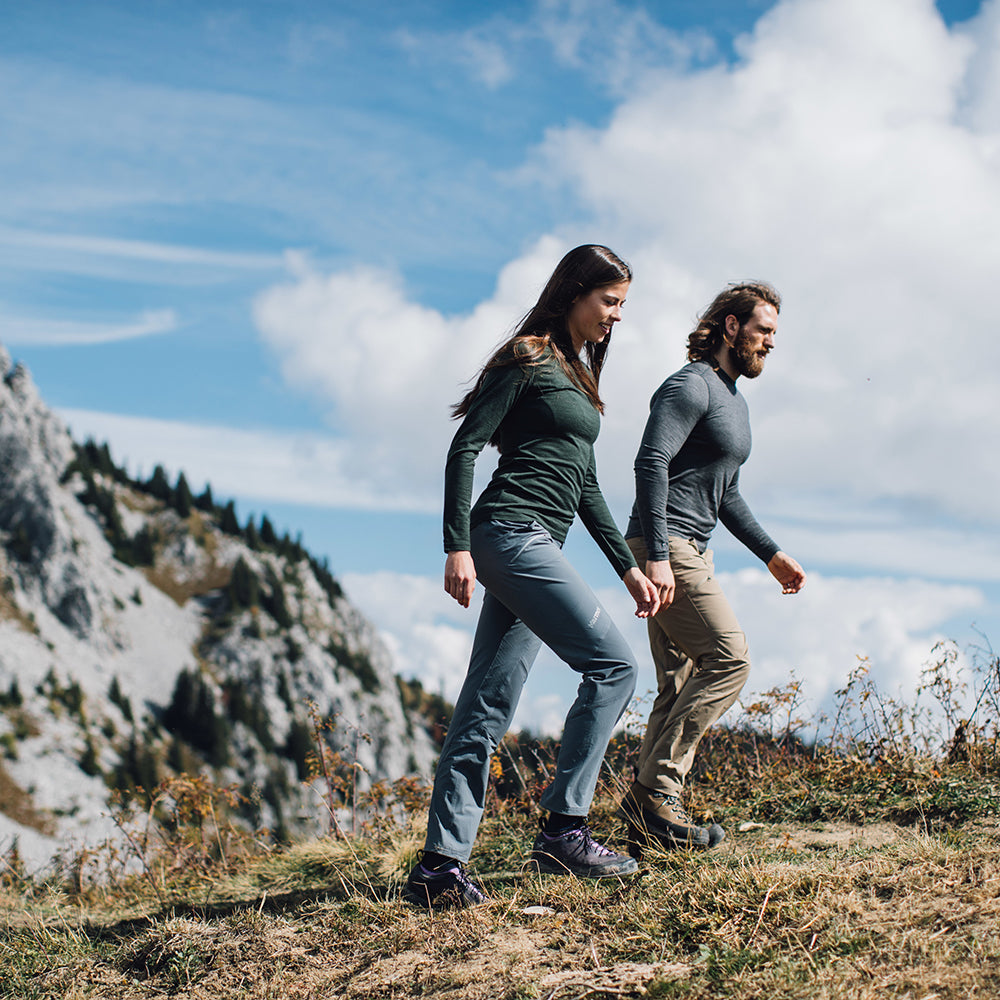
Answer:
(545, 329)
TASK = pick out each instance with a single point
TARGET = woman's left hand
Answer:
(645, 595)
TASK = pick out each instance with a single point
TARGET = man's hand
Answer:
(460, 576)
(787, 572)
(662, 577)
(647, 602)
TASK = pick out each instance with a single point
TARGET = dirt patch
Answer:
(181, 589)
(829, 836)
(10, 611)
(507, 954)
(16, 803)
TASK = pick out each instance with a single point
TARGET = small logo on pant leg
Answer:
(593, 620)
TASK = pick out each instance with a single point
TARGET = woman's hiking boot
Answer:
(442, 888)
(575, 852)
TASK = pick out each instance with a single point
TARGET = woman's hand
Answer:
(460, 576)
(644, 593)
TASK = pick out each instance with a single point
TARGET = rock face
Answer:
(143, 631)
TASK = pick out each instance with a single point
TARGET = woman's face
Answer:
(592, 316)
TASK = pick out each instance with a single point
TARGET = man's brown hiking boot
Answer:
(658, 820)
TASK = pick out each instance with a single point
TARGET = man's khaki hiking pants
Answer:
(702, 662)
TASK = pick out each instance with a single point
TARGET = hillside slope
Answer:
(145, 631)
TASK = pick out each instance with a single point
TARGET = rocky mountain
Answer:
(144, 631)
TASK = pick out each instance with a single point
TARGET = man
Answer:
(687, 479)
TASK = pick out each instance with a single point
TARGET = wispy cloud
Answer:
(620, 41)
(67, 333)
(614, 44)
(140, 250)
(485, 54)
(292, 166)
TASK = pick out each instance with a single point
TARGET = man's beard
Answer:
(748, 362)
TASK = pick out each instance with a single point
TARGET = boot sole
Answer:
(552, 867)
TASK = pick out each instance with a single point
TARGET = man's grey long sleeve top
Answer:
(687, 469)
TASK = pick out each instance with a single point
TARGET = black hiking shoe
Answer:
(655, 819)
(575, 852)
(439, 890)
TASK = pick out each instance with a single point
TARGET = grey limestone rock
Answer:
(98, 649)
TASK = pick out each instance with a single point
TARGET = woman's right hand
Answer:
(460, 576)
(647, 601)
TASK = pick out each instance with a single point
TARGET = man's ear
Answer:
(732, 328)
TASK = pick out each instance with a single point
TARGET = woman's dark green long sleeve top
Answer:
(546, 473)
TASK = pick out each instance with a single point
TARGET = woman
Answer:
(537, 401)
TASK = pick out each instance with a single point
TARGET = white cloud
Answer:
(429, 634)
(388, 369)
(298, 467)
(43, 332)
(838, 157)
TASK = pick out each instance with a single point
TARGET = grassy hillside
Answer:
(868, 866)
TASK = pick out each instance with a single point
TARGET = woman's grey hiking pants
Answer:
(533, 596)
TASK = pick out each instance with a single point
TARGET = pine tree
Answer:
(250, 534)
(229, 522)
(88, 495)
(244, 588)
(104, 463)
(274, 603)
(204, 501)
(20, 545)
(158, 485)
(191, 716)
(89, 762)
(181, 499)
(268, 536)
(117, 697)
(143, 551)
(298, 747)
(13, 698)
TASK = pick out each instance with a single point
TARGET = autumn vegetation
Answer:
(861, 861)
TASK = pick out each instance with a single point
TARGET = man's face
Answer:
(754, 339)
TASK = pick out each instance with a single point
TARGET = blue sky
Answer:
(266, 243)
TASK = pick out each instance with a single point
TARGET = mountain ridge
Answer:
(143, 631)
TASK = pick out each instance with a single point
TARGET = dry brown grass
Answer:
(831, 910)
(870, 873)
